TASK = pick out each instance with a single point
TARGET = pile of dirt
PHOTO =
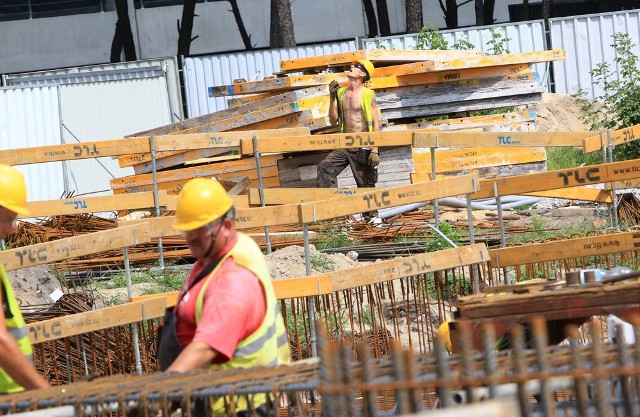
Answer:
(32, 286)
(559, 113)
(289, 262)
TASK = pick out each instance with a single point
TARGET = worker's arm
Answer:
(334, 86)
(375, 114)
(14, 362)
(196, 355)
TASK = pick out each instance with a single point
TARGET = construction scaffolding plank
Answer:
(405, 267)
(91, 321)
(71, 247)
(423, 95)
(564, 178)
(376, 56)
(502, 139)
(395, 79)
(198, 145)
(618, 137)
(329, 141)
(391, 197)
(473, 158)
(451, 104)
(565, 249)
(278, 196)
(211, 118)
(211, 170)
(502, 59)
(70, 206)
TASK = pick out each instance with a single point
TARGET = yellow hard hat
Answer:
(13, 190)
(201, 201)
(367, 66)
(445, 336)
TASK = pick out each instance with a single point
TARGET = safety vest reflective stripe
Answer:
(257, 344)
(17, 332)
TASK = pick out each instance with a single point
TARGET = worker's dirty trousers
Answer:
(338, 160)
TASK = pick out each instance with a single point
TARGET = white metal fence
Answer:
(200, 73)
(587, 41)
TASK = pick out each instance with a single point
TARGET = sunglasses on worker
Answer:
(359, 66)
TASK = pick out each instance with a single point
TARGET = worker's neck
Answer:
(355, 83)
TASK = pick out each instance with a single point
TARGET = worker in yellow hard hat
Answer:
(355, 108)
(17, 372)
(226, 315)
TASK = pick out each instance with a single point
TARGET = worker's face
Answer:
(208, 239)
(356, 70)
(7, 222)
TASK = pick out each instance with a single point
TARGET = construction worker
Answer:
(17, 373)
(227, 315)
(356, 109)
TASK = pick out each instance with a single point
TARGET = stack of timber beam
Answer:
(415, 89)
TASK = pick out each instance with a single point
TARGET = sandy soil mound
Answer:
(289, 262)
(559, 113)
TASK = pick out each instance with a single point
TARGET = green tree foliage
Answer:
(619, 105)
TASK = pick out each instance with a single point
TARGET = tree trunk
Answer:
(282, 35)
(546, 9)
(525, 10)
(246, 38)
(123, 37)
(414, 15)
(479, 9)
(372, 21)
(383, 17)
(451, 16)
(487, 11)
(185, 27)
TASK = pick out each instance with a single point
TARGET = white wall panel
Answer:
(29, 117)
(200, 73)
(109, 101)
(587, 41)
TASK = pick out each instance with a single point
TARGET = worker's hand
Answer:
(374, 159)
(334, 86)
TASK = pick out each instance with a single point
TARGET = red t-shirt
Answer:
(233, 308)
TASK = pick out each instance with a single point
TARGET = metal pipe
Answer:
(256, 154)
(134, 327)
(310, 302)
(156, 199)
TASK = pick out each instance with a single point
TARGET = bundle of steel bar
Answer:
(596, 380)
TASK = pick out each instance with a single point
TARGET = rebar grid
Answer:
(599, 379)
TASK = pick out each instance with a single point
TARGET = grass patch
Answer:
(319, 260)
(539, 231)
(563, 158)
(334, 237)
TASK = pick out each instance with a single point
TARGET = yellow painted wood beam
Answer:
(618, 137)
(72, 247)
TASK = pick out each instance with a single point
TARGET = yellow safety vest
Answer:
(267, 346)
(17, 329)
(366, 97)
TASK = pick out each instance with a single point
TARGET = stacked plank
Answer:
(414, 88)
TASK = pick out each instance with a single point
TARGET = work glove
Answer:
(334, 86)
(374, 159)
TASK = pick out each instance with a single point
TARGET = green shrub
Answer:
(620, 102)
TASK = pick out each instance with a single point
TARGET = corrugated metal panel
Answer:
(107, 102)
(109, 110)
(524, 37)
(215, 70)
(587, 41)
(29, 117)
(133, 70)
